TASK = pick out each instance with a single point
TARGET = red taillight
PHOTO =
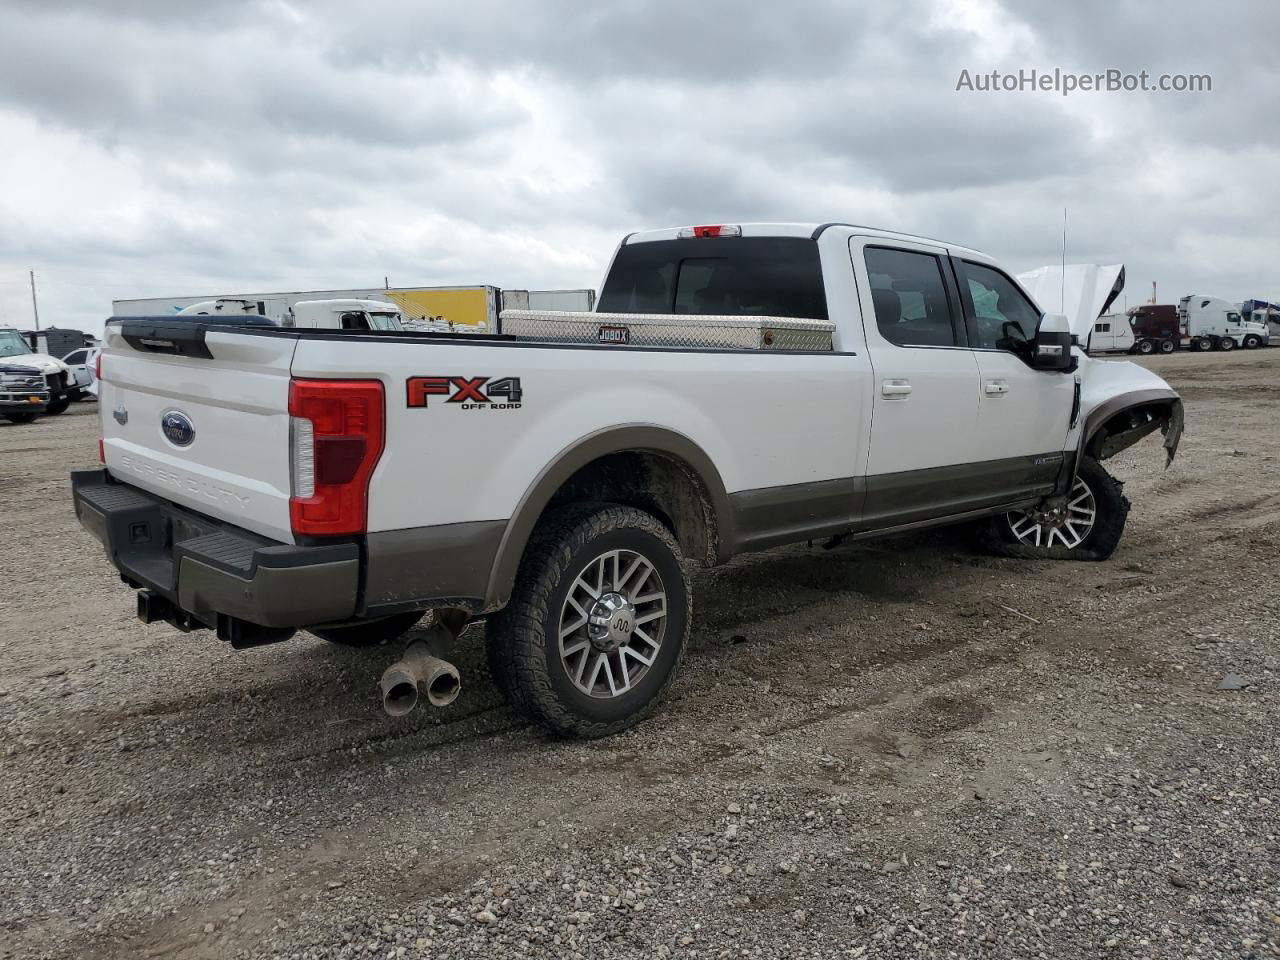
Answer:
(97, 367)
(336, 437)
(102, 450)
(712, 230)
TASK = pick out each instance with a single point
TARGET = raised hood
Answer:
(1084, 293)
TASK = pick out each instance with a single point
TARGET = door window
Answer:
(909, 296)
(1002, 314)
(75, 358)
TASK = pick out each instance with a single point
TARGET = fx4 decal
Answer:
(470, 393)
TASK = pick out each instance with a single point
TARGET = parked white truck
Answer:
(739, 388)
(20, 402)
(1212, 324)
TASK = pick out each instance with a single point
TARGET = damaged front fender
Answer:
(1121, 421)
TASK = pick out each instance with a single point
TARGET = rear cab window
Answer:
(718, 276)
(909, 296)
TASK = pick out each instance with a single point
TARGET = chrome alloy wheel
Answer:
(1066, 525)
(612, 623)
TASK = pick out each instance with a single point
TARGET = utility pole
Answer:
(35, 310)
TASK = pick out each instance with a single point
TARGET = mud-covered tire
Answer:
(372, 632)
(1112, 508)
(524, 637)
(20, 417)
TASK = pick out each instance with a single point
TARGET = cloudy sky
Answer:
(174, 147)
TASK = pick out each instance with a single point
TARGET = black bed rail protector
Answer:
(180, 336)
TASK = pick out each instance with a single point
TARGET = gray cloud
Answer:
(169, 146)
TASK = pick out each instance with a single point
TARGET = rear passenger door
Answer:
(1023, 414)
(925, 405)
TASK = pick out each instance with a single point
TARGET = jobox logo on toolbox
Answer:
(469, 393)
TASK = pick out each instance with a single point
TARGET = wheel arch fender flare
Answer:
(640, 438)
(1122, 420)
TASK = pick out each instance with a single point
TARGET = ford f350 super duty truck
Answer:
(738, 388)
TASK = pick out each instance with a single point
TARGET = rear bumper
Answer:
(209, 574)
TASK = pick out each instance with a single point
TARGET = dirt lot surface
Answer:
(896, 748)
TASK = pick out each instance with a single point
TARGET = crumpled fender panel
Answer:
(1130, 402)
(1139, 414)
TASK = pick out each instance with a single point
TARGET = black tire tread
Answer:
(516, 635)
(1113, 512)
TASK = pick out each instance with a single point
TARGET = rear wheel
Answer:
(596, 625)
(1146, 346)
(1166, 346)
(370, 633)
(1226, 344)
(58, 406)
(20, 417)
(1087, 525)
(1202, 344)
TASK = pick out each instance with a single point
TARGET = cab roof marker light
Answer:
(711, 230)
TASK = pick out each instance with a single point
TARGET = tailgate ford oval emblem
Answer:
(177, 428)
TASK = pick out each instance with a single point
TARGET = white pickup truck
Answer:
(739, 387)
(32, 383)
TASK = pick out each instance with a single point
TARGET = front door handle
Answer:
(895, 389)
(995, 388)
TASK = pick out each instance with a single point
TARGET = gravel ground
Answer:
(896, 748)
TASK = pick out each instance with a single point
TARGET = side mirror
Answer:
(1053, 344)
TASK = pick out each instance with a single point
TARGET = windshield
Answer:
(385, 321)
(12, 344)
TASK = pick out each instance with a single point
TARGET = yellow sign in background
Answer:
(470, 307)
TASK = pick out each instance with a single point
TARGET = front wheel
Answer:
(596, 625)
(58, 406)
(20, 417)
(371, 632)
(1225, 344)
(1086, 525)
(1252, 342)
(1166, 346)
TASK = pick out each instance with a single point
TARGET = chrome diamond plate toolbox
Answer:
(670, 330)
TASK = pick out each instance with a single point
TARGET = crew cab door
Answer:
(925, 406)
(1023, 414)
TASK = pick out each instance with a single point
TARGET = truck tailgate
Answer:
(203, 425)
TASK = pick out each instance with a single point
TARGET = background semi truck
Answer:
(1209, 323)
(1146, 329)
(422, 308)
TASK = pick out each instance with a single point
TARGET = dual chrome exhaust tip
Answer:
(418, 674)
